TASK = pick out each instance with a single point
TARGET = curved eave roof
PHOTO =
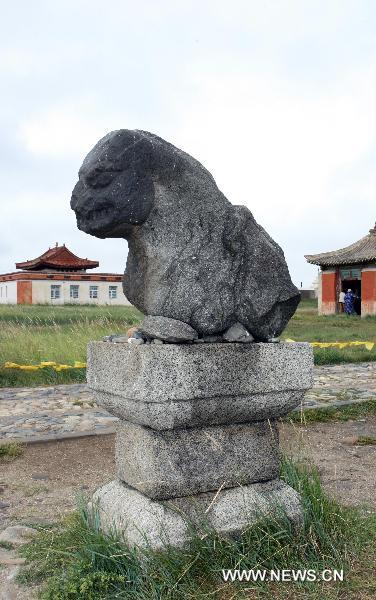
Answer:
(363, 251)
(58, 258)
(45, 264)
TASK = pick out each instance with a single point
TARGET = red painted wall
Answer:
(368, 293)
(329, 293)
(24, 292)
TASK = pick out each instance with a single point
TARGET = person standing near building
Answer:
(341, 301)
(349, 302)
(357, 303)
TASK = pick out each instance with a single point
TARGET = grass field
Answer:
(31, 334)
(307, 326)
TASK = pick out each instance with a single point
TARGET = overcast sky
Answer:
(275, 98)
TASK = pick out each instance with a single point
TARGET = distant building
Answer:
(353, 267)
(315, 286)
(60, 277)
(307, 294)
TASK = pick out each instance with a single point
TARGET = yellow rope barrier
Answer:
(45, 365)
(368, 345)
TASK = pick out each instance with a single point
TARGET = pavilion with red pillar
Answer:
(352, 267)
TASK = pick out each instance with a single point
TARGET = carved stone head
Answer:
(115, 188)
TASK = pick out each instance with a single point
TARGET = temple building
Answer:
(60, 277)
(353, 267)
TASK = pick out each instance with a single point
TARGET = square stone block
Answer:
(145, 522)
(180, 385)
(181, 462)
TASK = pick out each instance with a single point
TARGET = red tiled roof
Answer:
(363, 251)
(60, 276)
(59, 258)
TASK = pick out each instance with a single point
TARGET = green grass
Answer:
(76, 561)
(11, 450)
(31, 334)
(333, 413)
(366, 440)
(41, 314)
(307, 326)
(6, 545)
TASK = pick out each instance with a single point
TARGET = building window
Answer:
(112, 292)
(55, 292)
(74, 291)
(93, 291)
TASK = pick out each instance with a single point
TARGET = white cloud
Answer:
(272, 146)
(43, 218)
(277, 100)
(67, 130)
(276, 148)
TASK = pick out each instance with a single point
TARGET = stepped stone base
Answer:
(196, 443)
(180, 462)
(178, 385)
(145, 522)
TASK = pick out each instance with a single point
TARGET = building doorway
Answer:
(356, 286)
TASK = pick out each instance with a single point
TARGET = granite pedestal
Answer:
(197, 438)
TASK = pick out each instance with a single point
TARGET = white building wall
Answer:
(42, 292)
(8, 292)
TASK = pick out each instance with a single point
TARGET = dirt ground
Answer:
(347, 469)
(43, 484)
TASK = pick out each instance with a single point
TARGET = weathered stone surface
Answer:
(237, 333)
(181, 462)
(193, 256)
(168, 386)
(169, 330)
(179, 371)
(200, 411)
(211, 339)
(118, 339)
(147, 522)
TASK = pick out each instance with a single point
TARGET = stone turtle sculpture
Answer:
(193, 256)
